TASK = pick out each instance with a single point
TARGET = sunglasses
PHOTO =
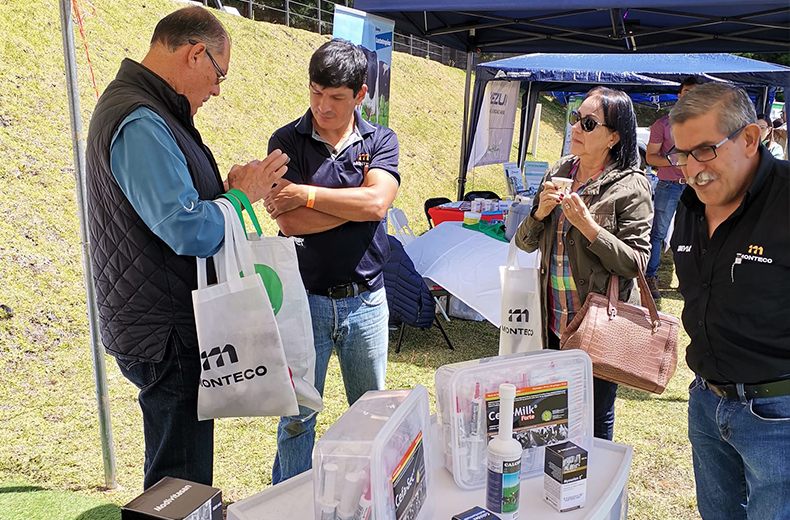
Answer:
(588, 124)
(220, 75)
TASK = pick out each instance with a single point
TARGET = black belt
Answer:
(346, 290)
(730, 390)
(682, 180)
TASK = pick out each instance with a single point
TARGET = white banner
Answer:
(494, 135)
(374, 34)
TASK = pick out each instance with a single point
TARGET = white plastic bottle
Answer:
(504, 461)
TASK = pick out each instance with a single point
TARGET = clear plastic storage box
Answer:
(554, 403)
(376, 457)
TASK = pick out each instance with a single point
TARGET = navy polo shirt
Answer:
(354, 251)
(736, 283)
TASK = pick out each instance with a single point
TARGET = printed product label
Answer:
(503, 487)
(409, 486)
(540, 415)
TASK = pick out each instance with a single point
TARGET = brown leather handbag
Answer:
(628, 344)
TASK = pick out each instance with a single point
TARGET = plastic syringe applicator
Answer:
(474, 429)
(327, 500)
(349, 498)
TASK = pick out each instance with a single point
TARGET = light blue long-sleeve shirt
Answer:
(152, 172)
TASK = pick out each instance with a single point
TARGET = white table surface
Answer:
(466, 263)
(607, 490)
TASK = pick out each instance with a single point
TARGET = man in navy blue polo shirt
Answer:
(342, 178)
(732, 255)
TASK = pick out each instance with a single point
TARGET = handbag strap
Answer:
(613, 293)
(645, 295)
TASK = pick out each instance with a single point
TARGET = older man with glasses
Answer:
(731, 246)
(151, 182)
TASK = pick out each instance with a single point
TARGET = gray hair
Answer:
(190, 23)
(732, 105)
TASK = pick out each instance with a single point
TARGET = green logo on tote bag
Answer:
(273, 284)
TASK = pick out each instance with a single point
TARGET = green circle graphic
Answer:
(273, 284)
(546, 416)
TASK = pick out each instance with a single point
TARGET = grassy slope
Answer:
(48, 429)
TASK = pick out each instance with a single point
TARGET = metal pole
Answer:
(78, 150)
(470, 57)
(524, 136)
(287, 13)
(250, 14)
(319, 16)
(536, 129)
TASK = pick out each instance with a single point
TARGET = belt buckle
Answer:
(338, 292)
(716, 389)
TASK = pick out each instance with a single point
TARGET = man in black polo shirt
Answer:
(342, 178)
(732, 255)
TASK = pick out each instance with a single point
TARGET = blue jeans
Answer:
(665, 202)
(176, 443)
(741, 451)
(357, 328)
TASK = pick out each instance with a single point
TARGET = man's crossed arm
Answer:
(332, 207)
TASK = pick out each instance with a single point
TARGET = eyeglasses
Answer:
(220, 75)
(588, 124)
(701, 154)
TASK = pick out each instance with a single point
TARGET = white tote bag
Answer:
(520, 329)
(277, 264)
(244, 370)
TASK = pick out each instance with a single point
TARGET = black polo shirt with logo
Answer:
(736, 284)
(354, 251)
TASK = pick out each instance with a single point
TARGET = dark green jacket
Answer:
(619, 201)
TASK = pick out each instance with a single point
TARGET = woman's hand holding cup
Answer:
(549, 199)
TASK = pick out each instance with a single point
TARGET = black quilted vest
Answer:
(143, 288)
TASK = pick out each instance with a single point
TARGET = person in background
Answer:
(668, 189)
(592, 232)
(338, 189)
(780, 135)
(150, 185)
(732, 257)
(767, 136)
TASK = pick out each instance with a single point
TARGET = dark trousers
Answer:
(176, 443)
(604, 394)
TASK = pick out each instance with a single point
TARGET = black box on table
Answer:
(175, 499)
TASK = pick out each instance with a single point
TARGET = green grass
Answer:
(50, 450)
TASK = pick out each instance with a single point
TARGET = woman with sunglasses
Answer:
(592, 230)
(767, 136)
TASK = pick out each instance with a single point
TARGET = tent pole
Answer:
(78, 150)
(470, 56)
(524, 137)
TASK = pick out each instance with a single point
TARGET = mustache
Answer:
(701, 177)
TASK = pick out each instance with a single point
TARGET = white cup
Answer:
(562, 184)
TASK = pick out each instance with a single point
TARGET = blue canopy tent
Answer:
(655, 26)
(576, 26)
(653, 73)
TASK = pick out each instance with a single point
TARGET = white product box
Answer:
(554, 403)
(565, 476)
(377, 456)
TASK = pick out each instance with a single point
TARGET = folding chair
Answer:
(404, 234)
(481, 195)
(400, 226)
(432, 203)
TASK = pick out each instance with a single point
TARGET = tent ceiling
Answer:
(659, 26)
